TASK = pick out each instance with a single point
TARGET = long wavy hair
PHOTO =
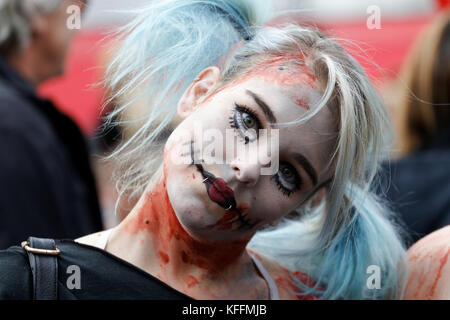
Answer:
(170, 42)
(424, 98)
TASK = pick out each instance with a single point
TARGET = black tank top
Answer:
(102, 276)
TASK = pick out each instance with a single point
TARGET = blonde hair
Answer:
(425, 100)
(170, 42)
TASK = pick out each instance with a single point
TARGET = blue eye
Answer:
(246, 123)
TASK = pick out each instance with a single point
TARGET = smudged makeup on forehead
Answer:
(287, 71)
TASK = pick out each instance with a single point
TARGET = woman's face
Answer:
(215, 159)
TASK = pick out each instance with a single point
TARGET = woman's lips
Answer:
(220, 193)
(217, 189)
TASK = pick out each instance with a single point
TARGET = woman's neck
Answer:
(152, 238)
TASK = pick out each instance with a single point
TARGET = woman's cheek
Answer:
(279, 205)
(268, 209)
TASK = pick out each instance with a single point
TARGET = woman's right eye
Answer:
(246, 123)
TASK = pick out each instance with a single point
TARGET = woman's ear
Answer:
(198, 91)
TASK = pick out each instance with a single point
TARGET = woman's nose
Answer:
(246, 172)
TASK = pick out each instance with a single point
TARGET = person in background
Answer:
(47, 188)
(420, 180)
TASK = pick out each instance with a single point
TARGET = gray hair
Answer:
(15, 17)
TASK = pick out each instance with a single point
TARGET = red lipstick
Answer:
(217, 190)
(220, 193)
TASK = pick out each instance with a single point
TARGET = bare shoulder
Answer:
(429, 267)
(93, 239)
(284, 278)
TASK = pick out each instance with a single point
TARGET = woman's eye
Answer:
(246, 123)
(287, 179)
(249, 121)
(287, 172)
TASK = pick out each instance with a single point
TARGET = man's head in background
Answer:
(35, 36)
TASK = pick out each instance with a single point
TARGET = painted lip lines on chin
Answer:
(220, 193)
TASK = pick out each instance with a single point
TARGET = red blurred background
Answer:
(79, 94)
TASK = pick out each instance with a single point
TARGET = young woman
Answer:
(241, 219)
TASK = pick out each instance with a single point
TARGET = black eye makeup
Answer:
(247, 125)
(287, 179)
(245, 122)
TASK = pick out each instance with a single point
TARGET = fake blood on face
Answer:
(226, 222)
(302, 103)
(285, 70)
(157, 218)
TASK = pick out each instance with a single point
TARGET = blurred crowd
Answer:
(51, 185)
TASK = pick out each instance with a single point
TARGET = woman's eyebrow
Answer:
(306, 165)
(263, 105)
(297, 156)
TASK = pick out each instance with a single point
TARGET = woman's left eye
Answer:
(246, 123)
(287, 179)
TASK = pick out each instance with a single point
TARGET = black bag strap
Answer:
(42, 254)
